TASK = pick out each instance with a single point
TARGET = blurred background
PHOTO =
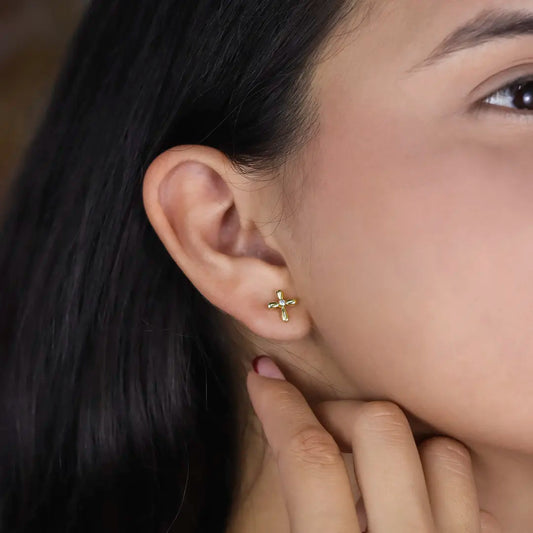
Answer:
(33, 38)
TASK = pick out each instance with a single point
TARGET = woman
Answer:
(343, 186)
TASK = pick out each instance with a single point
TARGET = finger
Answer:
(313, 476)
(388, 467)
(451, 487)
(337, 417)
(327, 413)
(489, 524)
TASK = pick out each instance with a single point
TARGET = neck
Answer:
(505, 486)
(504, 481)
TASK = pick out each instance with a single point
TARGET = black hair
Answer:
(119, 408)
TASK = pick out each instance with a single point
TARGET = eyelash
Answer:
(503, 92)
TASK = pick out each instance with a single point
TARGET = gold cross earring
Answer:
(281, 303)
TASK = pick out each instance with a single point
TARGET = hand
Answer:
(405, 488)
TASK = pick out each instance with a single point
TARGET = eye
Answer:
(517, 96)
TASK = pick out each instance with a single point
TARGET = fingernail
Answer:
(264, 366)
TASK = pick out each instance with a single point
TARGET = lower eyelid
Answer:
(501, 112)
(483, 105)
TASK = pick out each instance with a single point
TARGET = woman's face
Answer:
(413, 237)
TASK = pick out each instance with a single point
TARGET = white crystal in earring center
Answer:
(280, 304)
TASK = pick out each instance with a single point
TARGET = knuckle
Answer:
(290, 402)
(381, 409)
(449, 452)
(385, 419)
(489, 524)
(286, 398)
(315, 446)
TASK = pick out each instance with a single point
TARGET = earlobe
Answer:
(194, 201)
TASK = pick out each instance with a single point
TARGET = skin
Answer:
(407, 238)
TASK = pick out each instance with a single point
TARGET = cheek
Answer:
(421, 259)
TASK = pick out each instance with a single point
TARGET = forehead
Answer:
(394, 35)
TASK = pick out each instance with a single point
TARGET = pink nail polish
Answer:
(264, 366)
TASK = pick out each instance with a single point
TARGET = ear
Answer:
(206, 215)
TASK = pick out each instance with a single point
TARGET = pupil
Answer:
(524, 96)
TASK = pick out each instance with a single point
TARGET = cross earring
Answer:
(281, 303)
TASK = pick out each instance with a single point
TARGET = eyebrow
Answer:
(488, 25)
